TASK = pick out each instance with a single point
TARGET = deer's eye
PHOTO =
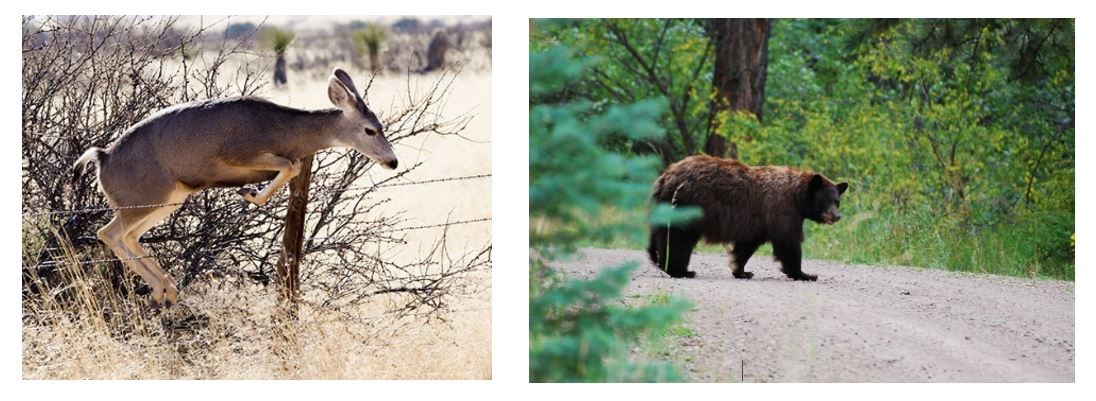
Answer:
(370, 131)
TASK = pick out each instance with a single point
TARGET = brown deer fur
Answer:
(158, 162)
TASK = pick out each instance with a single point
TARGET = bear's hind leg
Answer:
(740, 254)
(790, 256)
(681, 244)
(656, 247)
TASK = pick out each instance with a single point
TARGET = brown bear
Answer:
(743, 205)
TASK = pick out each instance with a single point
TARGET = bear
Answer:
(742, 206)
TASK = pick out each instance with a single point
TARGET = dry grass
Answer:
(87, 331)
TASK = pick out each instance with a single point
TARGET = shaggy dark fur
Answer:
(743, 205)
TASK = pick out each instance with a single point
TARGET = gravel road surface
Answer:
(859, 323)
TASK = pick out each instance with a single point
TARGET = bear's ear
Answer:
(817, 182)
(842, 187)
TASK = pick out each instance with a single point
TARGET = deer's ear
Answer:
(345, 79)
(340, 95)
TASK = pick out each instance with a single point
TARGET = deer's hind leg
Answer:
(114, 235)
(286, 168)
(127, 193)
(168, 292)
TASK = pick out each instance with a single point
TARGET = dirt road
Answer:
(860, 323)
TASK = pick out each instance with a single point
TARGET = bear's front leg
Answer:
(790, 255)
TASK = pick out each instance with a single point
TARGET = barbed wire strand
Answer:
(454, 223)
(87, 262)
(400, 184)
(94, 261)
(158, 205)
(396, 314)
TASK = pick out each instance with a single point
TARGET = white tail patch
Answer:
(92, 154)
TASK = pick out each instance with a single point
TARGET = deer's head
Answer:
(359, 128)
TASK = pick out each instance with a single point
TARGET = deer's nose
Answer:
(392, 164)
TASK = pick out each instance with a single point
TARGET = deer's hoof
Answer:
(143, 289)
(254, 199)
(165, 297)
(157, 296)
(245, 191)
(251, 195)
(171, 296)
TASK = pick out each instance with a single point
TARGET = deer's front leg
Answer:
(286, 168)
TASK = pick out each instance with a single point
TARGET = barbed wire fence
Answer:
(422, 289)
(445, 224)
(158, 205)
(109, 260)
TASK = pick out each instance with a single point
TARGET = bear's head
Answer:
(823, 200)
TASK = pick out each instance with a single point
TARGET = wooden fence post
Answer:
(293, 239)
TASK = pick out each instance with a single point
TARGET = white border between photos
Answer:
(510, 212)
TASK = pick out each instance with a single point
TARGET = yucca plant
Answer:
(278, 40)
(370, 39)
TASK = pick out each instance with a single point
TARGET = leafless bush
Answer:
(87, 79)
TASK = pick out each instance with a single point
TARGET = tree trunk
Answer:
(293, 239)
(374, 62)
(279, 70)
(741, 62)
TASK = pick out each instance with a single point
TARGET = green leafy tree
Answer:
(670, 59)
(961, 153)
(580, 330)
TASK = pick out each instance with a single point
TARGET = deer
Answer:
(150, 170)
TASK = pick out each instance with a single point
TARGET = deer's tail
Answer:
(93, 154)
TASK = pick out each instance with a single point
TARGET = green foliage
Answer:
(580, 330)
(577, 178)
(370, 39)
(957, 136)
(954, 163)
(277, 39)
(665, 214)
(927, 239)
(668, 59)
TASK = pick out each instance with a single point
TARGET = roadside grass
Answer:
(662, 345)
(1024, 247)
